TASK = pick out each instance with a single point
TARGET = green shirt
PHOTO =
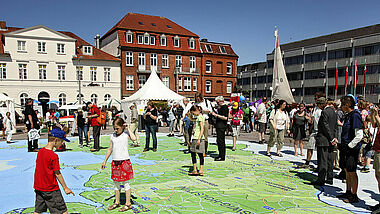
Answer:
(197, 127)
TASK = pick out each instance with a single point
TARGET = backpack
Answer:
(102, 118)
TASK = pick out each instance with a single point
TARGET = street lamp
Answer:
(79, 80)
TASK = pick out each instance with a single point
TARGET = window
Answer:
(178, 61)
(146, 38)
(208, 86)
(62, 99)
(229, 68)
(107, 74)
(60, 48)
(23, 97)
(129, 58)
(140, 39)
(176, 41)
(229, 87)
(195, 84)
(93, 74)
(61, 72)
(41, 47)
(163, 40)
(21, 45)
(94, 98)
(179, 83)
(129, 37)
(42, 72)
(79, 72)
(153, 59)
(81, 97)
(107, 97)
(165, 80)
(222, 49)
(208, 67)
(3, 71)
(87, 50)
(165, 61)
(192, 63)
(141, 58)
(187, 83)
(152, 40)
(192, 43)
(129, 82)
(142, 80)
(208, 48)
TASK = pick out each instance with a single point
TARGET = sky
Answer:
(248, 25)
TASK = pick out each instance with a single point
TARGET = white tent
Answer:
(7, 105)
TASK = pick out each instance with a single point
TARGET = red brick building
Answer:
(145, 43)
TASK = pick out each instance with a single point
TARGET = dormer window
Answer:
(146, 38)
(87, 50)
(176, 41)
(163, 40)
(140, 39)
(192, 43)
(129, 37)
(222, 49)
(152, 40)
(208, 48)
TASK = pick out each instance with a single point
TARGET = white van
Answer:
(66, 112)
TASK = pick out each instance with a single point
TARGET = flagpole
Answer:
(336, 81)
(355, 77)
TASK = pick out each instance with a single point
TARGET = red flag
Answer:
(365, 73)
(336, 77)
(356, 74)
(345, 83)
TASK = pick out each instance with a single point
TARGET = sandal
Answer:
(279, 154)
(194, 173)
(113, 206)
(200, 173)
(125, 208)
(268, 154)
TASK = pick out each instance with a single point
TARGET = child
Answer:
(46, 175)
(121, 165)
(198, 142)
(9, 126)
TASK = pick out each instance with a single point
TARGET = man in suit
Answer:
(325, 141)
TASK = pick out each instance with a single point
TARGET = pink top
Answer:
(236, 114)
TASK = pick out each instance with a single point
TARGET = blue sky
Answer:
(247, 25)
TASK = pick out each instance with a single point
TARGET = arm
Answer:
(30, 120)
(358, 137)
(271, 119)
(330, 134)
(130, 133)
(201, 133)
(62, 182)
(108, 154)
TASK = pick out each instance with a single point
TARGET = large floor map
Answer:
(244, 183)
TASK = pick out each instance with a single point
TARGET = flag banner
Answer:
(356, 74)
(336, 77)
(345, 83)
(365, 73)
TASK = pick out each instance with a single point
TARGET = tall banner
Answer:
(336, 77)
(365, 76)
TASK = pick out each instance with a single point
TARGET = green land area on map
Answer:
(244, 183)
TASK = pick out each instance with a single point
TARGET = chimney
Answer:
(97, 41)
(3, 25)
(204, 40)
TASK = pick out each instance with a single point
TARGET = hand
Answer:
(275, 127)
(214, 114)
(198, 142)
(288, 131)
(68, 191)
(103, 165)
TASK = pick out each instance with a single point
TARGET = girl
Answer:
(9, 126)
(237, 116)
(300, 118)
(121, 165)
(198, 142)
(279, 121)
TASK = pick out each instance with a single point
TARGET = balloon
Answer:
(242, 98)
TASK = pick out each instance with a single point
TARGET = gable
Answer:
(39, 32)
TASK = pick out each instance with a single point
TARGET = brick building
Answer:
(145, 43)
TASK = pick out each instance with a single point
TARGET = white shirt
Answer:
(205, 105)
(186, 109)
(316, 115)
(281, 120)
(291, 114)
(8, 124)
(263, 111)
(120, 146)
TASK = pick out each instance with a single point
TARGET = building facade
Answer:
(311, 65)
(45, 65)
(145, 43)
(252, 80)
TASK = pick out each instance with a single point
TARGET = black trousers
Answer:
(325, 163)
(194, 158)
(221, 141)
(96, 135)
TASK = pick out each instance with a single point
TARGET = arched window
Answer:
(23, 97)
(62, 99)
(94, 98)
(81, 99)
(107, 97)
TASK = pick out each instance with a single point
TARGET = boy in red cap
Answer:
(48, 194)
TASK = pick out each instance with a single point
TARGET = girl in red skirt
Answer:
(121, 165)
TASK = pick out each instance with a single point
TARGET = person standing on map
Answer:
(198, 141)
(151, 126)
(221, 125)
(122, 170)
(94, 112)
(31, 122)
(48, 194)
(206, 109)
(375, 122)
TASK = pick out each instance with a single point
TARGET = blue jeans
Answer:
(83, 133)
(148, 130)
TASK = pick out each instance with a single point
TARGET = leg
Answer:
(301, 146)
(9, 136)
(194, 161)
(221, 141)
(201, 163)
(147, 137)
(35, 144)
(205, 134)
(154, 136)
(295, 147)
(96, 133)
(86, 135)
(377, 175)
(330, 173)
(280, 141)
(30, 144)
(80, 134)
(234, 142)
(272, 137)
(322, 163)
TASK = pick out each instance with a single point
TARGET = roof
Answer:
(148, 23)
(358, 32)
(215, 47)
(258, 66)
(9, 29)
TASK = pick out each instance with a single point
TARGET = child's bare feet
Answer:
(125, 208)
(113, 206)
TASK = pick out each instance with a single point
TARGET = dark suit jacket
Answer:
(327, 127)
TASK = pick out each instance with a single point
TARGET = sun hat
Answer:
(235, 105)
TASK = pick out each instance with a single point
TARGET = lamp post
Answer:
(79, 81)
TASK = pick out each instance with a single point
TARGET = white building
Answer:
(44, 64)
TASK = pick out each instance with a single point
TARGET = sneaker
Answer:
(304, 166)
(365, 170)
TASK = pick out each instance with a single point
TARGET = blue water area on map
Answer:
(268, 208)
(238, 178)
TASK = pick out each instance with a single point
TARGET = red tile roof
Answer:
(148, 23)
(216, 49)
(9, 29)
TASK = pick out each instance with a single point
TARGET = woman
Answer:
(299, 121)
(279, 122)
(171, 118)
(151, 126)
(9, 125)
(198, 143)
(236, 116)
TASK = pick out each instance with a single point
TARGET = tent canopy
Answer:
(153, 89)
(4, 98)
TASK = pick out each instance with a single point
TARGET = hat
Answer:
(235, 105)
(220, 98)
(58, 133)
(132, 104)
(321, 100)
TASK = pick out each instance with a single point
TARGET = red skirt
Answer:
(122, 170)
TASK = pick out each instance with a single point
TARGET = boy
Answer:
(48, 194)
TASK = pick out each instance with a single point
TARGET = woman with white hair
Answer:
(221, 116)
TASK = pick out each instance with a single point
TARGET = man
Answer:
(31, 122)
(206, 109)
(375, 121)
(135, 124)
(94, 112)
(221, 125)
(187, 128)
(262, 119)
(325, 141)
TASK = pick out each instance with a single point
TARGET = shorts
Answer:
(49, 200)
(235, 130)
(311, 143)
(367, 150)
(351, 159)
(376, 161)
(262, 127)
(121, 170)
(121, 185)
